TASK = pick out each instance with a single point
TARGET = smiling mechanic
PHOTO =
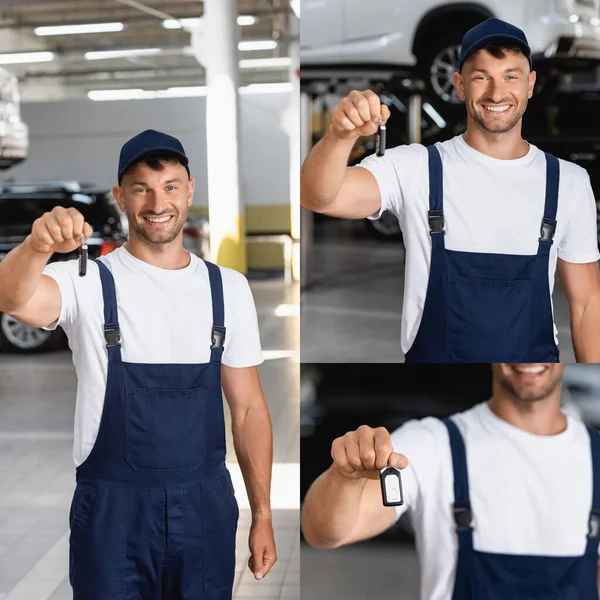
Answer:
(153, 330)
(504, 498)
(486, 216)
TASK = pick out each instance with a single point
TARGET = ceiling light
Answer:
(266, 88)
(122, 53)
(190, 23)
(574, 19)
(295, 4)
(25, 57)
(74, 29)
(116, 94)
(258, 45)
(266, 63)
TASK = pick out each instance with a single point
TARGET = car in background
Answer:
(20, 205)
(390, 38)
(14, 134)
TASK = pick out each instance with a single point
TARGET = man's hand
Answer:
(262, 548)
(364, 452)
(59, 231)
(358, 114)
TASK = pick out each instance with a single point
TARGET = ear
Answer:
(531, 83)
(119, 196)
(191, 188)
(459, 84)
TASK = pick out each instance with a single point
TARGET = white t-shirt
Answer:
(529, 494)
(165, 316)
(490, 205)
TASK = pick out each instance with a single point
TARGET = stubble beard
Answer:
(157, 237)
(479, 119)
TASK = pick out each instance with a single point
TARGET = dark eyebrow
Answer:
(147, 185)
(173, 181)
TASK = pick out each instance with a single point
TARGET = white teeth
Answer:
(161, 220)
(530, 370)
(497, 108)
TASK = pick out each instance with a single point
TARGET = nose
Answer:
(157, 201)
(497, 91)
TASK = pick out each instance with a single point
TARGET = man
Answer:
(154, 330)
(479, 276)
(504, 497)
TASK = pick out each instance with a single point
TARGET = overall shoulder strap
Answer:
(218, 308)
(462, 501)
(112, 332)
(436, 198)
(550, 205)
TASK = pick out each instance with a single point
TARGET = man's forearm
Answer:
(20, 274)
(331, 508)
(323, 172)
(253, 441)
(585, 332)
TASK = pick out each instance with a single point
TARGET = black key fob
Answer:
(391, 487)
(83, 256)
(380, 141)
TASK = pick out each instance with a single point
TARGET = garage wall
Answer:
(81, 140)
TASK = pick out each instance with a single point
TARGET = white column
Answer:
(215, 46)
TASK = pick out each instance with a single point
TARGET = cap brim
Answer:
(154, 152)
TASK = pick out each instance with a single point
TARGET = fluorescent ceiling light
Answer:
(258, 45)
(74, 29)
(122, 53)
(184, 92)
(25, 57)
(242, 20)
(266, 63)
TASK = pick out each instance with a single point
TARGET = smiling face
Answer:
(528, 382)
(156, 201)
(495, 90)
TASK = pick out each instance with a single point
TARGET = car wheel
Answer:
(17, 337)
(436, 66)
(385, 228)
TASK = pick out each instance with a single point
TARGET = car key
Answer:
(391, 486)
(380, 139)
(83, 256)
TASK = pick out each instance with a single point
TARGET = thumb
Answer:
(397, 460)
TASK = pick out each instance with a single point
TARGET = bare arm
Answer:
(344, 504)
(25, 293)
(327, 184)
(582, 287)
(253, 441)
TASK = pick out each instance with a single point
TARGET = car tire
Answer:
(20, 338)
(436, 66)
(386, 227)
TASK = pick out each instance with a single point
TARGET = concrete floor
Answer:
(353, 309)
(382, 571)
(37, 400)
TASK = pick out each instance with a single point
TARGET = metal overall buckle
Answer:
(112, 334)
(462, 515)
(436, 221)
(594, 525)
(218, 337)
(547, 230)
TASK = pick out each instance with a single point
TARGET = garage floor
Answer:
(385, 571)
(37, 400)
(352, 311)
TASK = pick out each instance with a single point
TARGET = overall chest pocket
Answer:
(165, 430)
(487, 320)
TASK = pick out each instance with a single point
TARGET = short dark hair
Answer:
(156, 162)
(499, 50)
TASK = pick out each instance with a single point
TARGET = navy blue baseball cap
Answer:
(149, 143)
(492, 31)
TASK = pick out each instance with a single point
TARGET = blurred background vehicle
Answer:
(425, 36)
(20, 205)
